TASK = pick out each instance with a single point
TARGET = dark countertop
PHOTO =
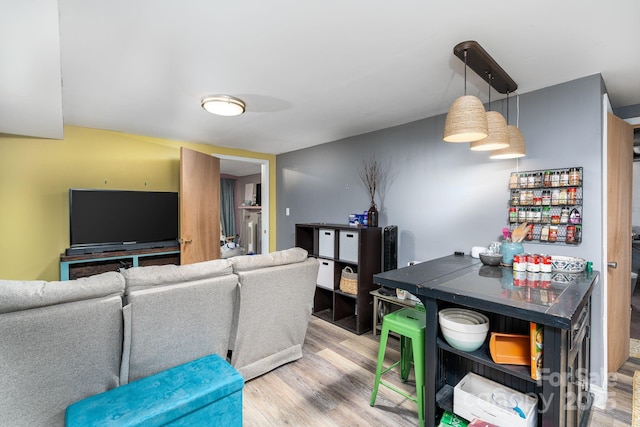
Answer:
(463, 280)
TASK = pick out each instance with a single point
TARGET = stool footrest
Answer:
(403, 393)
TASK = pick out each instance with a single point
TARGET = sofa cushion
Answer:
(169, 325)
(16, 295)
(55, 355)
(254, 262)
(138, 278)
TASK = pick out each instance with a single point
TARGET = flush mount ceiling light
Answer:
(223, 105)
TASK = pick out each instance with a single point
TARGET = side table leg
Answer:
(431, 361)
(375, 315)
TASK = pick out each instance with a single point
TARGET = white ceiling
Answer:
(309, 72)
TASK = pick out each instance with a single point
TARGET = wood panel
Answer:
(619, 197)
(331, 386)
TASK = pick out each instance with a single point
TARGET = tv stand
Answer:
(114, 247)
(83, 265)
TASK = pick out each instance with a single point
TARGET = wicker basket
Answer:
(349, 281)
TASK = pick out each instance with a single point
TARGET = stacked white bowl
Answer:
(465, 330)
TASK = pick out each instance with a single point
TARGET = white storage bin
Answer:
(478, 397)
(326, 243)
(326, 274)
(348, 245)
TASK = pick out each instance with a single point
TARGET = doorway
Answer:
(635, 253)
(244, 166)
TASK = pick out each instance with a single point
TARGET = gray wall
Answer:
(443, 197)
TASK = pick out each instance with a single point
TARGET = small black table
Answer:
(562, 306)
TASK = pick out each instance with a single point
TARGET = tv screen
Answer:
(122, 217)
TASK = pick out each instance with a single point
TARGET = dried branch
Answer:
(370, 176)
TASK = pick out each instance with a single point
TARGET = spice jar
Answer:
(523, 180)
(555, 219)
(545, 263)
(513, 180)
(574, 176)
(572, 195)
(537, 215)
(523, 197)
(571, 234)
(544, 233)
(547, 178)
(555, 179)
(555, 195)
(546, 197)
(553, 233)
(522, 215)
(515, 197)
(538, 179)
(563, 196)
(564, 178)
(513, 214)
(545, 216)
(530, 215)
(564, 216)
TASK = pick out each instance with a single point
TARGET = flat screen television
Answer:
(108, 220)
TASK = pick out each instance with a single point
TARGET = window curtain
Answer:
(228, 206)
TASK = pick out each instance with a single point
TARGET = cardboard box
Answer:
(476, 397)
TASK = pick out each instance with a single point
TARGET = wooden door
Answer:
(199, 207)
(619, 197)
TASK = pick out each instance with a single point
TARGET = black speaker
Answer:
(390, 248)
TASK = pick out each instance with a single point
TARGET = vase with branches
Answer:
(370, 174)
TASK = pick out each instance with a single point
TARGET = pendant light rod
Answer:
(465, 72)
(484, 66)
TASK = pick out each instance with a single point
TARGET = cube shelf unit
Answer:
(336, 247)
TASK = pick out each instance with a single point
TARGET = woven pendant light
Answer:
(516, 146)
(498, 134)
(466, 120)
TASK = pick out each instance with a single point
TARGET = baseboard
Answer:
(599, 396)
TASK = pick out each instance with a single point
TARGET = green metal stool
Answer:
(409, 323)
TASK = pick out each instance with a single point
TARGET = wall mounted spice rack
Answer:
(550, 200)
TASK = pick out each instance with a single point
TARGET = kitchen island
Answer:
(562, 306)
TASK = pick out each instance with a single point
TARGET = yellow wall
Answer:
(36, 174)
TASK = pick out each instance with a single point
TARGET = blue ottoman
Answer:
(206, 391)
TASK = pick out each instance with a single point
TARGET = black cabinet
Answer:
(563, 392)
(338, 247)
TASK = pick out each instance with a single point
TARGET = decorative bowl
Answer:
(490, 259)
(464, 330)
(567, 264)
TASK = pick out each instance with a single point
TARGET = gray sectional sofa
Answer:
(61, 342)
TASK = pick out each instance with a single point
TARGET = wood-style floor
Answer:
(331, 386)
